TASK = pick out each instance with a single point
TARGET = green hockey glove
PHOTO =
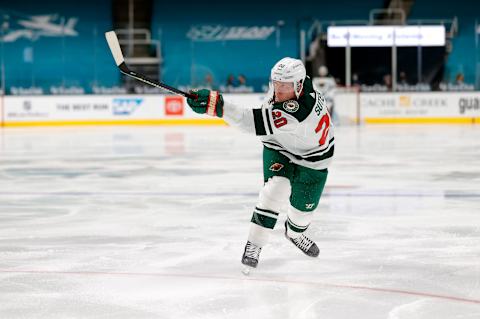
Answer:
(209, 102)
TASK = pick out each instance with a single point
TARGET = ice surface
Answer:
(150, 222)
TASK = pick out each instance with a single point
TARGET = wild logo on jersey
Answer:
(291, 106)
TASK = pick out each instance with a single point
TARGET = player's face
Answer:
(283, 91)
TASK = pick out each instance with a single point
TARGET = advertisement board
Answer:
(110, 109)
(385, 36)
(350, 107)
(453, 107)
(174, 106)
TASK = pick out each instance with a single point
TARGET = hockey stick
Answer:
(120, 61)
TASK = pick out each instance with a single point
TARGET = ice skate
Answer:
(250, 257)
(305, 244)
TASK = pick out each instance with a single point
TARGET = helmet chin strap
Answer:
(299, 93)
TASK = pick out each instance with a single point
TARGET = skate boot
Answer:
(305, 244)
(250, 256)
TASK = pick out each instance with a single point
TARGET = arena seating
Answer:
(187, 61)
(462, 57)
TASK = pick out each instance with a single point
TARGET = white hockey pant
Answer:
(274, 198)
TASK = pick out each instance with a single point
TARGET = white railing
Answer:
(139, 37)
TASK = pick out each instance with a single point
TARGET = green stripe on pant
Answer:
(264, 219)
(296, 228)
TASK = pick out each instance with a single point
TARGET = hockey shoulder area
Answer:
(268, 121)
(286, 116)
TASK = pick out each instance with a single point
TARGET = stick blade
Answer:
(114, 45)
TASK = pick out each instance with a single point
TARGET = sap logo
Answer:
(125, 106)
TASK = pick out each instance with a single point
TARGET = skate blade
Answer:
(246, 270)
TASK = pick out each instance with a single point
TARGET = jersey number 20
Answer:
(278, 120)
(323, 127)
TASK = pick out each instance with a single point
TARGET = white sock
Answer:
(259, 235)
(298, 220)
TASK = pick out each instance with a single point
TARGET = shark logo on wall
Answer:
(38, 26)
(232, 33)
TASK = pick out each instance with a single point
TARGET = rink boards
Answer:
(350, 108)
(408, 108)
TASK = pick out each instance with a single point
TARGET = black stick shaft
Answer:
(125, 70)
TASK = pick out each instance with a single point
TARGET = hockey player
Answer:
(295, 128)
(327, 86)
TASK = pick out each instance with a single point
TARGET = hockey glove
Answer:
(209, 102)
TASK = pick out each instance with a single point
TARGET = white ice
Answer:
(150, 222)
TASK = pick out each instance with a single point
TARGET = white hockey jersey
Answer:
(299, 129)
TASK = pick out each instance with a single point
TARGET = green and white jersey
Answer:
(299, 129)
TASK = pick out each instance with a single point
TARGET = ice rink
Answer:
(150, 222)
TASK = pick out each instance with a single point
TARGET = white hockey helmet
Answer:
(290, 70)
